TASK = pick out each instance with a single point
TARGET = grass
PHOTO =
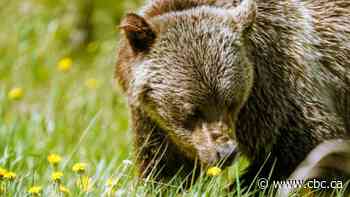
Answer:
(75, 111)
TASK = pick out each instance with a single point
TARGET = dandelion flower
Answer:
(214, 171)
(79, 168)
(10, 176)
(15, 93)
(65, 64)
(84, 183)
(35, 190)
(54, 159)
(91, 83)
(64, 189)
(56, 176)
(2, 173)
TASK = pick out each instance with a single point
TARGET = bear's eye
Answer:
(192, 118)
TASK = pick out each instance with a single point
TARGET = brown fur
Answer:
(262, 78)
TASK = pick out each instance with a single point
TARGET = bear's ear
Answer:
(138, 32)
(244, 15)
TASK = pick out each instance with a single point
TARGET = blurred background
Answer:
(57, 93)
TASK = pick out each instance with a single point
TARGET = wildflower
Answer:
(91, 83)
(10, 176)
(79, 168)
(64, 190)
(2, 173)
(15, 93)
(56, 176)
(84, 183)
(65, 64)
(35, 190)
(54, 159)
(214, 171)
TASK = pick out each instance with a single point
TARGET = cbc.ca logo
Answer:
(264, 183)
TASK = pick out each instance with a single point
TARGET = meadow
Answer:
(64, 124)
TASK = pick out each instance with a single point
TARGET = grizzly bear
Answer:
(208, 79)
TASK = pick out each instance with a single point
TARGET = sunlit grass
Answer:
(57, 99)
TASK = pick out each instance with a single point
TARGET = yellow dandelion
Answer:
(2, 173)
(91, 83)
(56, 176)
(35, 190)
(79, 168)
(15, 93)
(64, 189)
(10, 176)
(84, 183)
(54, 159)
(214, 171)
(65, 64)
